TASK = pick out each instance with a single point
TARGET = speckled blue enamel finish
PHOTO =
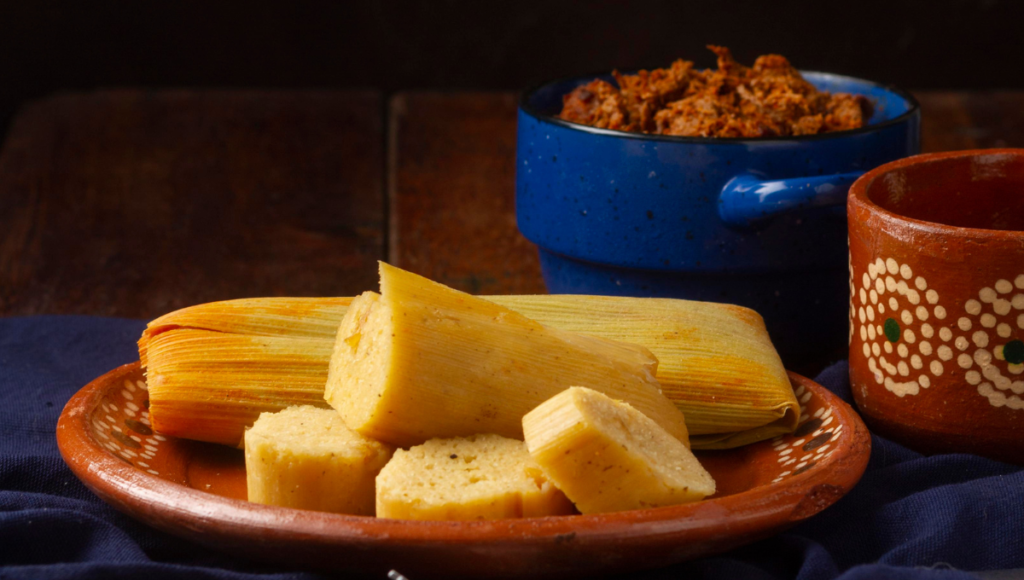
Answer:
(627, 214)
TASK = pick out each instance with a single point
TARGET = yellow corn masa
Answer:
(421, 360)
(483, 477)
(306, 458)
(607, 456)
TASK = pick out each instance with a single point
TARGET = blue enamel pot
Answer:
(755, 222)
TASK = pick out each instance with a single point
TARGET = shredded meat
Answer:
(598, 104)
(769, 99)
(647, 92)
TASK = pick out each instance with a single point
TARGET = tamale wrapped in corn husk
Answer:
(716, 361)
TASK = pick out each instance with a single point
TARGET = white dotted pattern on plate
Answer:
(813, 440)
(121, 425)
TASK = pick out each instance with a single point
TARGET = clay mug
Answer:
(937, 301)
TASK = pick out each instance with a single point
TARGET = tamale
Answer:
(306, 458)
(606, 456)
(716, 361)
(421, 360)
(482, 477)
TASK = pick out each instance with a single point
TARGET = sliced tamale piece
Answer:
(606, 456)
(210, 385)
(481, 477)
(421, 360)
(306, 458)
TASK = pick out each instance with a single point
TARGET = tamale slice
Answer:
(421, 360)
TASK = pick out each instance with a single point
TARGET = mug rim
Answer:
(913, 109)
(858, 196)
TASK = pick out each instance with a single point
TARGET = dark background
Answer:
(51, 46)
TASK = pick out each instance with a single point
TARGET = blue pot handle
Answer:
(747, 199)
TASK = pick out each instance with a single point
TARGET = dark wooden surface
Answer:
(135, 203)
(131, 203)
(451, 181)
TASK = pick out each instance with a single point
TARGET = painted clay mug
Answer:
(937, 301)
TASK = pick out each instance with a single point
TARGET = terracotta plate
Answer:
(197, 490)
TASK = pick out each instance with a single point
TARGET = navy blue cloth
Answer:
(911, 517)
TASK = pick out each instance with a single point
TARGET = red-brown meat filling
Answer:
(769, 99)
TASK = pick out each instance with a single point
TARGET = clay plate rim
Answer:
(185, 511)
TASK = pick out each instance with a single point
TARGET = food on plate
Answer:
(289, 317)
(477, 477)
(210, 385)
(306, 458)
(217, 366)
(430, 392)
(421, 361)
(769, 99)
(607, 456)
(716, 362)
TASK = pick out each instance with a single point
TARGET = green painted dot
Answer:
(1013, 352)
(892, 330)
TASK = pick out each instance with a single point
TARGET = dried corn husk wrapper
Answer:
(716, 361)
(285, 317)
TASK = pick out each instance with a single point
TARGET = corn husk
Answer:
(287, 317)
(210, 385)
(716, 361)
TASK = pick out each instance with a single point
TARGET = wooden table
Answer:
(134, 203)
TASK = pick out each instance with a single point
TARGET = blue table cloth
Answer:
(911, 517)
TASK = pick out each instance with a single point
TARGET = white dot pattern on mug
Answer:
(898, 317)
(994, 353)
(985, 341)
